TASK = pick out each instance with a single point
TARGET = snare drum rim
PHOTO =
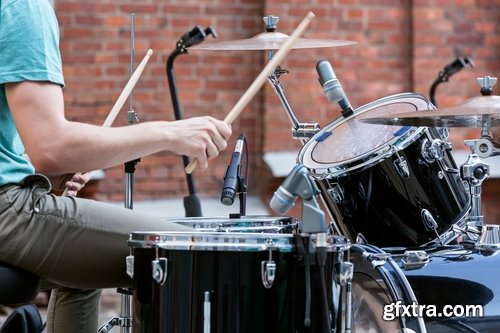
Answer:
(370, 158)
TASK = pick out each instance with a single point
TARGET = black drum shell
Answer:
(454, 275)
(239, 301)
(460, 277)
(386, 208)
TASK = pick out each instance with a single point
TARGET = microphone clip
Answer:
(193, 37)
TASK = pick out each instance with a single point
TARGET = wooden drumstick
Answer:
(127, 90)
(124, 95)
(261, 79)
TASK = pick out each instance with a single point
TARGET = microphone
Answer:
(285, 196)
(299, 184)
(332, 87)
(232, 172)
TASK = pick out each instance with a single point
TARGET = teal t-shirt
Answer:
(29, 51)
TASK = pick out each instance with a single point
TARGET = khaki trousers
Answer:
(77, 244)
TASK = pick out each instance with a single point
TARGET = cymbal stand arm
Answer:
(300, 131)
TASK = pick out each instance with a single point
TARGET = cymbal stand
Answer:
(125, 318)
(300, 131)
(474, 170)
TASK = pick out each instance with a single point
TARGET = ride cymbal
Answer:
(474, 112)
(269, 41)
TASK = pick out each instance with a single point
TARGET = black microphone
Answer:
(232, 172)
(332, 87)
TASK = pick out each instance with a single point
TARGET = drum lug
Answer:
(159, 266)
(268, 273)
(401, 166)
(415, 259)
(268, 269)
(429, 221)
(336, 193)
(129, 261)
(345, 272)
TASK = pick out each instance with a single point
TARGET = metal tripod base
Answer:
(125, 319)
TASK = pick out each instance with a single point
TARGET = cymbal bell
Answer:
(269, 41)
(474, 112)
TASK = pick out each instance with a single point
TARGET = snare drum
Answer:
(388, 185)
(447, 288)
(231, 275)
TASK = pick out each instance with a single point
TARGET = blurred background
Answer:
(401, 47)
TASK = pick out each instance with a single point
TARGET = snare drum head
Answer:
(347, 142)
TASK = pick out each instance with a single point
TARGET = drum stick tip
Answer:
(150, 52)
(310, 15)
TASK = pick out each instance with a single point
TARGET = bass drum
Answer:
(377, 282)
(388, 185)
(451, 288)
(243, 275)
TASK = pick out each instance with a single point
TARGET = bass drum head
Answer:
(375, 288)
(348, 144)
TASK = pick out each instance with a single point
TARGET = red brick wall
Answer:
(401, 46)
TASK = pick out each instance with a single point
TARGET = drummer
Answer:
(75, 244)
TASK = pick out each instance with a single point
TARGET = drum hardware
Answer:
(401, 164)
(415, 259)
(490, 238)
(434, 150)
(336, 193)
(159, 266)
(193, 37)
(268, 268)
(300, 131)
(345, 272)
(129, 262)
(430, 223)
(206, 312)
(475, 171)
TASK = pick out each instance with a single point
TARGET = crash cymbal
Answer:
(474, 112)
(269, 41)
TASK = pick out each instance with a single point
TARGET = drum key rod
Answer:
(206, 312)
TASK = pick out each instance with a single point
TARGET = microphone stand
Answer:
(192, 204)
(458, 64)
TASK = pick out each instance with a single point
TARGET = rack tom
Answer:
(388, 185)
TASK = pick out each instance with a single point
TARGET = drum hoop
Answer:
(365, 251)
(225, 241)
(374, 156)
